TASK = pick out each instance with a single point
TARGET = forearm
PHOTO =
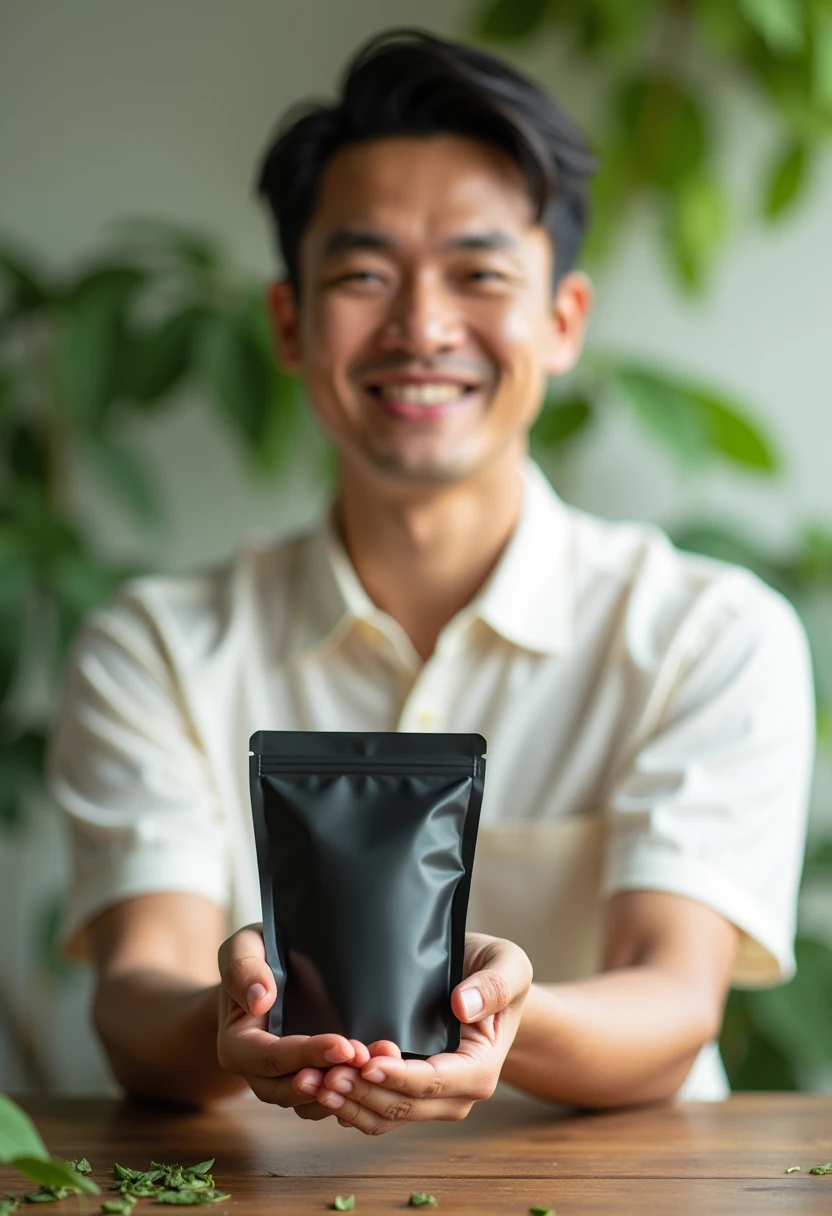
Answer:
(160, 1035)
(622, 1037)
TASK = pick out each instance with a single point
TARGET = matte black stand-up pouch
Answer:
(365, 847)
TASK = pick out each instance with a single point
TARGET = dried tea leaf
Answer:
(344, 1205)
(81, 1167)
(792, 1169)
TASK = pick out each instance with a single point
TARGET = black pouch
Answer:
(365, 847)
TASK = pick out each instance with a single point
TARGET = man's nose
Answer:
(422, 321)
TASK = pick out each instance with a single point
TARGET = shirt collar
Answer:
(525, 600)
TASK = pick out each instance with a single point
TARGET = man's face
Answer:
(426, 327)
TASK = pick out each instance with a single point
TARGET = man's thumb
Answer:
(489, 991)
(245, 974)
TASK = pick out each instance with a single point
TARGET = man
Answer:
(648, 714)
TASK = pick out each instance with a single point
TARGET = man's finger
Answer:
(254, 1053)
(246, 976)
(494, 988)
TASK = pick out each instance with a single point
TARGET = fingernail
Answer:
(333, 1101)
(335, 1055)
(343, 1085)
(253, 995)
(472, 1002)
(375, 1074)
(308, 1087)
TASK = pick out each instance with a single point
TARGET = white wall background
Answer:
(111, 108)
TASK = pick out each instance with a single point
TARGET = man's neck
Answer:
(422, 557)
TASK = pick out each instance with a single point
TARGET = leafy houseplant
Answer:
(652, 64)
(82, 355)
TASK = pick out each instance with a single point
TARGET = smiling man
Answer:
(648, 713)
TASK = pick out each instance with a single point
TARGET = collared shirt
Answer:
(648, 715)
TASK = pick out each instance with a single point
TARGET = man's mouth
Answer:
(426, 400)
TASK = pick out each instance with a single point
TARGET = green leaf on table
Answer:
(18, 1135)
(81, 1166)
(503, 20)
(124, 475)
(238, 373)
(26, 452)
(822, 1169)
(421, 1199)
(53, 1175)
(204, 1167)
(344, 1204)
(559, 421)
(787, 179)
(791, 1169)
(9, 1206)
(118, 1207)
(540, 1210)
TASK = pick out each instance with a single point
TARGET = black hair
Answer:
(410, 82)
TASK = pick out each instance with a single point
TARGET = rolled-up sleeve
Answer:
(713, 803)
(130, 776)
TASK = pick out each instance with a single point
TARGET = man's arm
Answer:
(177, 1017)
(632, 1033)
(156, 1003)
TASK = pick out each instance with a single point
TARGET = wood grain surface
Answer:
(702, 1159)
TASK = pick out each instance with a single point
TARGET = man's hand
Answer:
(244, 1046)
(388, 1091)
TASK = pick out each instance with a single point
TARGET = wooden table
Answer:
(699, 1159)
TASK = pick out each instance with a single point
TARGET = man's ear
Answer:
(570, 312)
(283, 311)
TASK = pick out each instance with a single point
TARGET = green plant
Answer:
(82, 356)
(22, 1148)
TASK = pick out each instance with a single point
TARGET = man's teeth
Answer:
(421, 394)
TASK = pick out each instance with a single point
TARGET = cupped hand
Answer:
(388, 1091)
(285, 1071)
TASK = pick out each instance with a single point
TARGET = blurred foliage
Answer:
(655, 62)
(652, 66)
(82, 358)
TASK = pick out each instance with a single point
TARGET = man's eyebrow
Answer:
(347, 240)
(494, 239)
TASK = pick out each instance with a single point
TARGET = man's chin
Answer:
(422, 472)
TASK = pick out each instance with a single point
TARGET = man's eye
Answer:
(480, 276)
(359, 276)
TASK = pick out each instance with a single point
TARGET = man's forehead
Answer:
(449, 190)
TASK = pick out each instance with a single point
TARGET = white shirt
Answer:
(648, 714)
